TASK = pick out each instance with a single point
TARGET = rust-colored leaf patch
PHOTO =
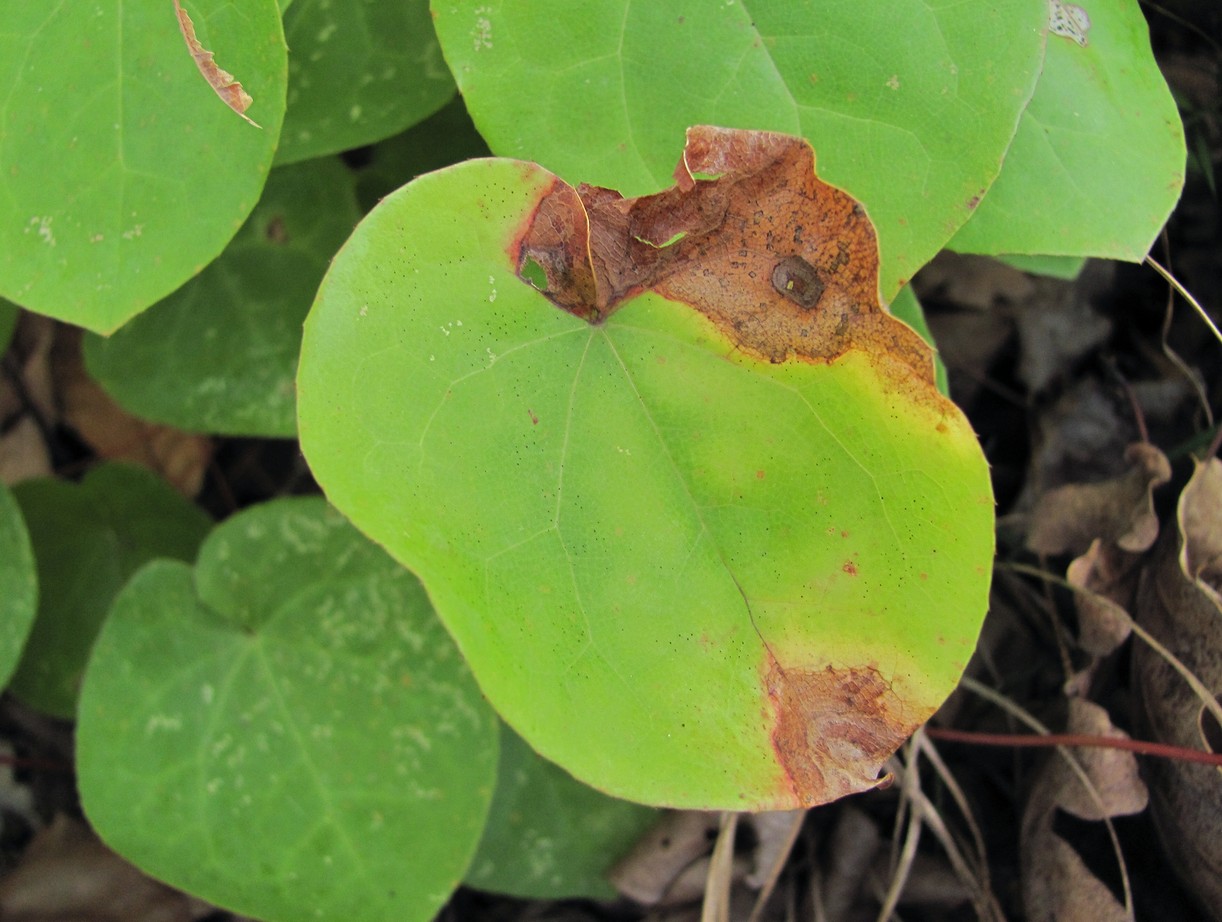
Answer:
(785, 265)
(223, 82)
(833, 728)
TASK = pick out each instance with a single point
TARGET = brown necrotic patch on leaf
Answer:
(784, 264)
(223, 82)
(833, 728)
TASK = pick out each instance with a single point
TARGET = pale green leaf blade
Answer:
(910, 106)
(125, 173)
(18, 585)
(359, 71)
(1098, 161)
(219, 355)
(88, 538)
(287, 731)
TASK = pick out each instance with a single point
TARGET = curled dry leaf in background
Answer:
(181, 458)
(27, 401)
(648, 873)
(1109, 524)
(1180, 605)
(1057, 886)
(1120, 511)
(1057, 326)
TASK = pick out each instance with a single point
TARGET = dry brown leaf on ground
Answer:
(1119, 511)
(27, 401)
(68, 875)
(1179, 604)
(181, 458)
(648, 873)
(1108, 577)
(1057, 326)
(977, 282)
(1057, 886)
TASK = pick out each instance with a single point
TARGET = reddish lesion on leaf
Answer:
(222, 82)
(833, 728)
(785, 265)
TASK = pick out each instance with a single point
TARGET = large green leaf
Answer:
(549, 836)
(124, 172)
(910, 104)
(220, 354)
(678, 545)
(286, 730)
(359, 71)
(1098, 161)
(88, 539)
(18, 585)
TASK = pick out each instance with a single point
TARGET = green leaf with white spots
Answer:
(18, 585)
(124, 172)
(286, 730)
(220, 354)
(548, 835)
(88, 538)
(359, 71)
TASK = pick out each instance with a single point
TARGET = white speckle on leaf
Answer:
(134, 232)
(354, 113)
(364, 311)
(162, 722)
(43, 225)
(326, 32)
(894, 82)
(482, 33)
(206, 693)
(213, 786)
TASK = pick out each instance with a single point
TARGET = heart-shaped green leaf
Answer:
(708, 535)
(124, 172)
(286, 730)
(88, 539)
(1098, 160)
(220, 354)
(359, 71)
(19, 582)
(910, 104)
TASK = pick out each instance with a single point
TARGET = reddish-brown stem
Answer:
(45, 765)
(1161, 750)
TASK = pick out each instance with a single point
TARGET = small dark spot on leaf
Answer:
(850, 568)
(534, 420)
(276, 231)
(798, 281)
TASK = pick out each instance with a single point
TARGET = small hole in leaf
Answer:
(673, 240)
(533, 273)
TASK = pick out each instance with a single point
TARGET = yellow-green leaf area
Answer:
(690, 574)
